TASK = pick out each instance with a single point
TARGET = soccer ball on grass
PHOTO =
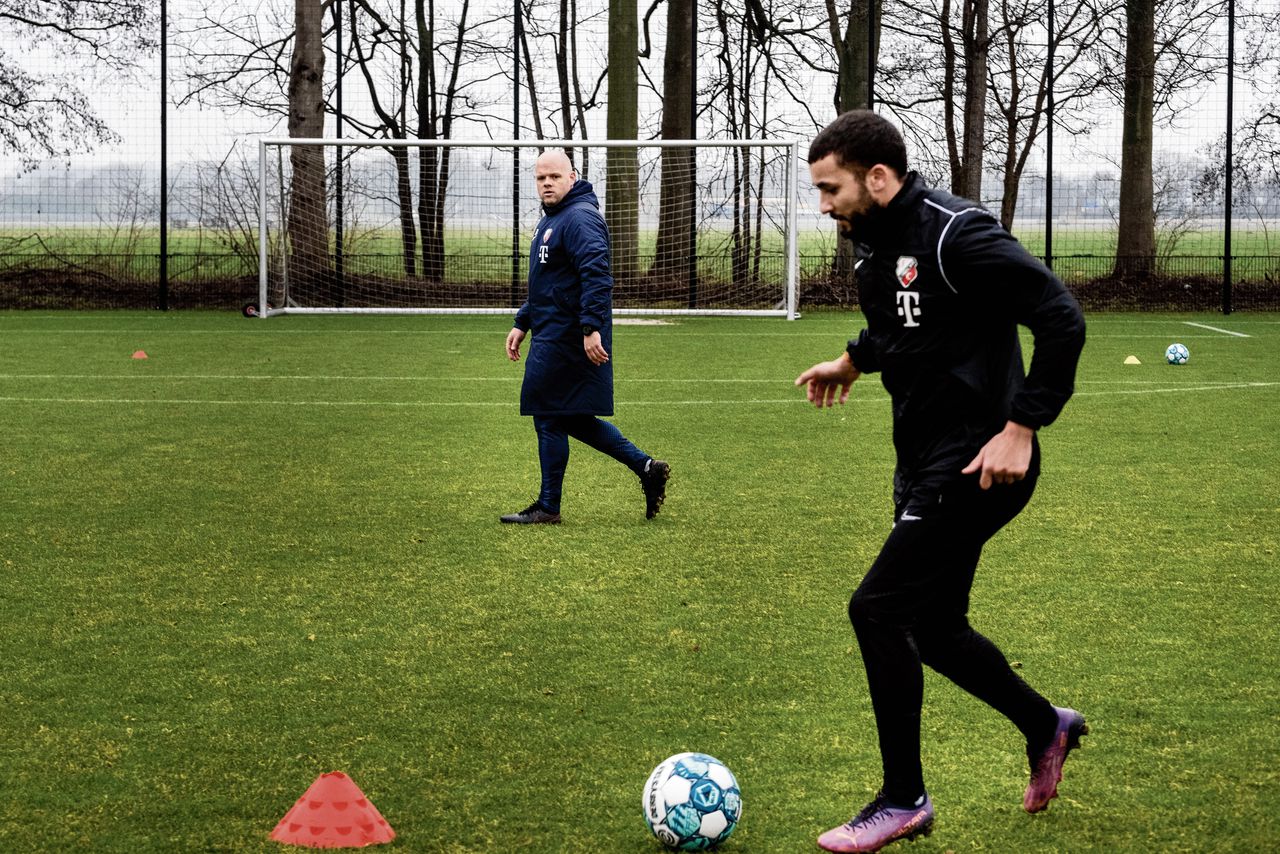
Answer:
(1177, 354)
(692, 802)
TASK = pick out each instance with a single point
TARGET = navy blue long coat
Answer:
(570, 285)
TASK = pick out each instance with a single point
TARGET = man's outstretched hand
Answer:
(829, 382)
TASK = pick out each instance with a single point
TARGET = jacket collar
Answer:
(890, 221)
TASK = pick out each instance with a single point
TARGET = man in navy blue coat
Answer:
(568, 380)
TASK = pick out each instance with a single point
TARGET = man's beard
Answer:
(859, 226)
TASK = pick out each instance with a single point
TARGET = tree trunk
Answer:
(430, 193)
(622, 182)
(584, 166)
(1011, 181)
(976, 39)
(392, 124)
(308, 212)
(562, 74)
(435, 121)
(853, 88)
(404, 202)
(1136, 243)
(675, 246)
(529, 77)
(853, 91)
(758, 226)
(1012, 176)
(740, 94)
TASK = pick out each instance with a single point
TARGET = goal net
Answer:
(445, 226)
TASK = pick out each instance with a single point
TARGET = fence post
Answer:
(164, 157)
(693, 159)
(262, 227)
(1230, 144)
(1048, 169)
(339, 260)
(515, 159)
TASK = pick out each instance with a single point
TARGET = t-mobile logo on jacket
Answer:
(542, 254)
(909, 307)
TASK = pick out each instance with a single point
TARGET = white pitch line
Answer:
(423, 404)
(862, 392)
(514, 378)
(137, 337)
(497, 333)
(371, 403)
(1175, 389)
(1216, 329)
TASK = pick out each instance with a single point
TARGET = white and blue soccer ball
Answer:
(692, 802)
(1177, 354)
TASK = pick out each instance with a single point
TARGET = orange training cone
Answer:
(139, 354)
(333, 813)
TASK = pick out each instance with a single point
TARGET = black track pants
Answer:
(911, 609)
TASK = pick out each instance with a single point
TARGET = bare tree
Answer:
(52, 115)
(435, 105)
(237, 60)
(416, 65)
(1022, 77)
(562, 71)
(1161, 50)
(559, 100)
(853, 49)
(968, 66)
(1136, 244)
(579, 104)
(530, 78)
(308, 216)
(736, 76)
(622, 192)
(674, 254)
(369, 47)
(415, 89)
(1255, 178)
(933, 75)
(225, 199)
(271, 64)
(765, 50)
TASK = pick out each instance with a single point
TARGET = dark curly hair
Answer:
(860, 139)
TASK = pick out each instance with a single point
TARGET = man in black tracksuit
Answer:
(943, 287)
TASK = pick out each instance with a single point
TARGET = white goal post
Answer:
(444, 226)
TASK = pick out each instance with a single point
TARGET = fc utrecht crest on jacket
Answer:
(906, 271)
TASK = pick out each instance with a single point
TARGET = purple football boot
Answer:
(877, 825)
(1046, 766)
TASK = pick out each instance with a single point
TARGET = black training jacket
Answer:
(943, 287)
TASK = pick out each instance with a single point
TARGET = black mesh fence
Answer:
(129, 175)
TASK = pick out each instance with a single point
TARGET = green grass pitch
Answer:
(271, 550)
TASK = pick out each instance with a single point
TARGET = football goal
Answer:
(426, 226)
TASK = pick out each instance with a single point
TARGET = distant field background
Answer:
(271, 550)
(1080, 251)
